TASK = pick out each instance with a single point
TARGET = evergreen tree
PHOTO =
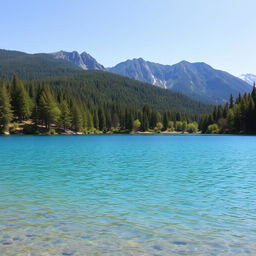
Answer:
(96, 120)
(49, 111)
(77, 119)
(65, 117)
(165, 121)
(6, 114)
(102, 120)
(231, 101)
(20, 99)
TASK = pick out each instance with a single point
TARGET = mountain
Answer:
(83, 60)
(248, 78)
(33, 66)
(197, 80)
(41, 65)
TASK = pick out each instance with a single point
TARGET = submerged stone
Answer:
(68, 252)
(6, 242)
(158, 247)
(179, 242)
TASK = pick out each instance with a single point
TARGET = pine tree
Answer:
(102, 120)
(20, 99)
(65, 117)
(49, 111)
(165, 121)
(77, 119)
(96, 120)
(231, 101)
(6, 114)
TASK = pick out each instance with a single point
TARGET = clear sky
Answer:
(218, 32)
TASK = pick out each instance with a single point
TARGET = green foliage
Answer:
(100, 88)
(171, 126)
(49, 111)
(97, 102)
(136, 125)
(184, 126)
(238, 117)
(77, 118)
(52, 131)
(213, 128)
(6, 114)
(179, 126)
(192, 127)
(30, 129)
(159, 126)
(20, 99)
(33, 66)
(65, 117)
(13, 127)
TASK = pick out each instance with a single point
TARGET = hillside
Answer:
(33, 66)
(98, 87)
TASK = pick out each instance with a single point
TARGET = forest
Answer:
(100, 102)
(82, 105)
(236, 117)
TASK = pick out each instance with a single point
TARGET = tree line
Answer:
(38, 107)
(237, 116)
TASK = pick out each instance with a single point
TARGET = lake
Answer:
(128, 195)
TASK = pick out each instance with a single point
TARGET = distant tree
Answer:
(96, 120)
(65, 117)
(165, 121)
(77, 118)
(6, 114)
(136, 125)
(213, 128)
(115, 120)
(231, 101)
(171, 126)
(145, 117)
(49, 111)
(230, 119)
(192, 127)
(20, 99)
(184, 126)
(159, 126)
(102, 120)
(178, 126)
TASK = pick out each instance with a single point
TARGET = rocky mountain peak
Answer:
(83, 60)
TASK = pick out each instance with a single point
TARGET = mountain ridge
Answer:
(83, 60)
(197, 80)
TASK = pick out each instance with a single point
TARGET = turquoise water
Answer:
(128, 195)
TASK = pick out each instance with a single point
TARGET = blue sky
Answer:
(219, 32)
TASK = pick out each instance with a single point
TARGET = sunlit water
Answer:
(128, 195)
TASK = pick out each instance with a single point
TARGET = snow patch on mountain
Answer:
(248, 78)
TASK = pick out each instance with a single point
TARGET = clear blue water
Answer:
(128, 195)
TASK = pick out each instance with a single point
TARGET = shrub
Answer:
(213, 128)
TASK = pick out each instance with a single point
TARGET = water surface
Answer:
(128, 195)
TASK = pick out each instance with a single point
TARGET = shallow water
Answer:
(128, 195)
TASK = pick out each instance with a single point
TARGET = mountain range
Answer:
(196, 80)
